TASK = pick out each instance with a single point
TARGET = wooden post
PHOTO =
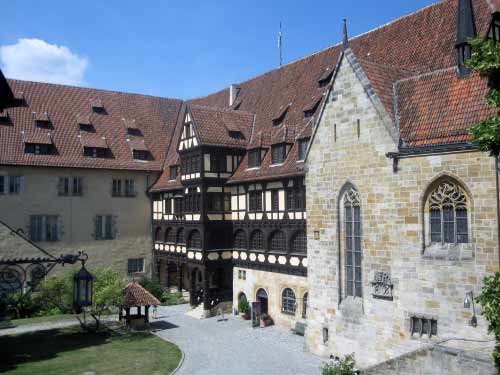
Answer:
(146, 313)
(139, 310)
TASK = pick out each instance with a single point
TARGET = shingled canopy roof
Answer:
(136, 295)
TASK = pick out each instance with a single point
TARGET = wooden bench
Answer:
(299, 329)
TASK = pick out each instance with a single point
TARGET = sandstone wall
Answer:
(428, 281)
(39, 196)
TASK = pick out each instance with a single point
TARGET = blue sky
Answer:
(180, 49)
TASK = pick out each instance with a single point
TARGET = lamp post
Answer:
(82, 286)
(469, 298)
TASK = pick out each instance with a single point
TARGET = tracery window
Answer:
(288, 301)
(448, 214)
(352, 217)
(277, 242)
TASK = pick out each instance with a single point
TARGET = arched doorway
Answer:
(262, 298)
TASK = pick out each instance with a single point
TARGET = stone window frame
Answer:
(342, 253)
(285, 307)
(454, 250)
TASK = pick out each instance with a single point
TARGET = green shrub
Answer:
(55, 293)
(20, 307)
(243, 306)
(343, 366)
(169, 298)
(153, 286)
(489, 299)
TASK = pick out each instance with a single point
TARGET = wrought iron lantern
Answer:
(82, 288)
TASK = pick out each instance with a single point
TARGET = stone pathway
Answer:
(214, 347)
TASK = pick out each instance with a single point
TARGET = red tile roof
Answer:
(408, 62)
(437, 108)
(65, 104)
(37, 136)
(214, 125)
(92, 140)
(136, 295)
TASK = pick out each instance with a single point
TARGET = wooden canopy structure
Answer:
(137, 296)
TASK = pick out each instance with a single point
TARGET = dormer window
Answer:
(38, 143)
(4, 117)
(42, 120)
(280, 116)
(303, 143)
(236, 134)
(85, 124)
(254, 158)
(278, 154)
(173, 172)
(142, 155)
(311, 108)
(131, 126)
(325, 77)
(97, 106)
(94, 146)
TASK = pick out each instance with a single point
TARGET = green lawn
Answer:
(39, 319)
(71, 351)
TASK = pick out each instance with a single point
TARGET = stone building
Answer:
(400, 218)
(75, 168)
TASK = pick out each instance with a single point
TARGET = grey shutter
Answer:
(98, 227)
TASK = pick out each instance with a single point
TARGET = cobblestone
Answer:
(232, 346)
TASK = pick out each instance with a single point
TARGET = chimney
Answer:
(233, 94)
(466, 28)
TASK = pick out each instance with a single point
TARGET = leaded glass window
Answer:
(240, 240)
(277, 243)
(352, 243)
(448, 214)
(194, 241)
(179, 238)
(288, 301)
(257, 240)
(299, 243)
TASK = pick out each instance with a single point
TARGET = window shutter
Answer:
(2, 185)
(98, 227)
(33, 228)
(60, 186)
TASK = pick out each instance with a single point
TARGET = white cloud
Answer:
(37, 60)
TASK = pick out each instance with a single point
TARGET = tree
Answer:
(490, 303)
(486, 61)
(486, 135)
(108, 294)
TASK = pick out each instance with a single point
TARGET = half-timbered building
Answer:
(341, 189)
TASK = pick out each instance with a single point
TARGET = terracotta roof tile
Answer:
(92, 140)
(37, 136)
(157, 117)
(439, 107)
(136, 295)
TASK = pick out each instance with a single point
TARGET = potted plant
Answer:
(265, 320)
(244, 308)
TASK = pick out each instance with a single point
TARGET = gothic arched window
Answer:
(277, 242)
(448, 214)
(352, 226)
(257, 240)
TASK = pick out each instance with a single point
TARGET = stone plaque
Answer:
(382, 286)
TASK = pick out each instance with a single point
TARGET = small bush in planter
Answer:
(343, 366)
(266, 320)
(244, 308)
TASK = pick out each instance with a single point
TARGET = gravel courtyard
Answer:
(233, 347)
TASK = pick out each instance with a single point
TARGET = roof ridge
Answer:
(337, 45)
(217, 109)
(92, 89)
(386, 65)
(426, 74)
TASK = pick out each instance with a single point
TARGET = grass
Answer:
(70, 351)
